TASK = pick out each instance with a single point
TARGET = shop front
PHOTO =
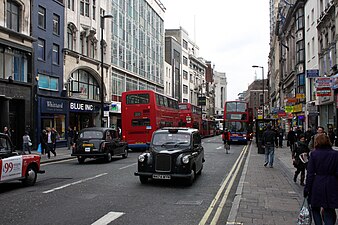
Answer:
(115, 115)
(54, 113)
(83, 114)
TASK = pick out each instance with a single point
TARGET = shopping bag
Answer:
(304, 216)
(39, 150)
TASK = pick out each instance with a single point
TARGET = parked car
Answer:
(173, 153)
(99, 142)
(15, 166)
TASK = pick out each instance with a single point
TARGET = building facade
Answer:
(16, 71)
(48, 29)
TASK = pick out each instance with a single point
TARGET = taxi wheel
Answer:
(30, 177)
(125, 153)
(108, 157)
(192, 177)
(143, 180)
(81, 160)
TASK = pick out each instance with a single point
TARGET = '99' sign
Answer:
(8, 167)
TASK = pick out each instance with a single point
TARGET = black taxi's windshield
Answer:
(92, 134)
(171, 139)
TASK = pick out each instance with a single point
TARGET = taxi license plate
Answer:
(161, 177)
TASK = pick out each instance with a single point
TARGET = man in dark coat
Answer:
(322, 180)
(268, 141)
(291, 137)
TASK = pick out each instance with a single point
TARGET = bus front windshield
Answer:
(237, 127)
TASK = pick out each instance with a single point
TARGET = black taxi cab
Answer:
(174, 152)
(15, 166)
(99, 142)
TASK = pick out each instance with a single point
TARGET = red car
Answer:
(17, 167)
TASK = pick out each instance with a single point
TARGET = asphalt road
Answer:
(109, 193)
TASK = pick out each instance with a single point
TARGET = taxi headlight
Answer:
(141, 158)
(185, 159)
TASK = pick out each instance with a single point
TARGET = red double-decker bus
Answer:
(238, 120)
(143, 112)
(190, 115)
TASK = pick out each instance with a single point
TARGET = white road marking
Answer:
(127, 166)
(219, 147)
(109, 217)
(76, 182)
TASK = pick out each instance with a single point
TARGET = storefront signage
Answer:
(291, 100)
(335, 81)
(298, 108)
(312, 73)
(289, 108)
(202, 101)
(82, 107)
(115, 107)
(300, 96)
(53, 105)
(323, 82)
(323, 92)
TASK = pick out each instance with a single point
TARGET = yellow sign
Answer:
(298, 108)
(300, 96)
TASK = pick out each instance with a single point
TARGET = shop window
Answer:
(56, 121)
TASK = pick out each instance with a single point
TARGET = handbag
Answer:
(30, 144)
(304, 216)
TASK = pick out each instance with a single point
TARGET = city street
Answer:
(98, 193)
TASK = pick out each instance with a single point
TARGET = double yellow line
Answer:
(227, 183)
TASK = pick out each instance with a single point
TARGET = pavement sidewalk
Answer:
(61, 154)
(267, 196)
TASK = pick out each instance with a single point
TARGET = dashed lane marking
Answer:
(108, 218)
(76, 182)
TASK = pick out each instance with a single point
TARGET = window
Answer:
(13, 16)
(185, 89)
(56, 24)
(55, 54)
(84, 86)
(42, 17)
(185, 44)
(84, 7)
(71, 5)
(94, 9)
(185, 61)
(47, 82)
(185, 75)
(41, 49)
(70, 39)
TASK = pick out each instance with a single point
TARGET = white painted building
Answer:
(220, 82)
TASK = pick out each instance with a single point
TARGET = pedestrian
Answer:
(7, 132)
(57, 137)
(268, 141)
(291, 139)
(308, 135)
(320, 130)
(226, 140)
(76, 136)
(331, 135)
(43, 141)
(300, 157)
(27, 143)
(298, 133)
(280, 136)
(322, 182)
(50, 142)
(70, 137)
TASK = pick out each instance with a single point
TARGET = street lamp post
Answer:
(102, 74)
(254, 66)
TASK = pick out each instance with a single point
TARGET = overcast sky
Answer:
(233, 35)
